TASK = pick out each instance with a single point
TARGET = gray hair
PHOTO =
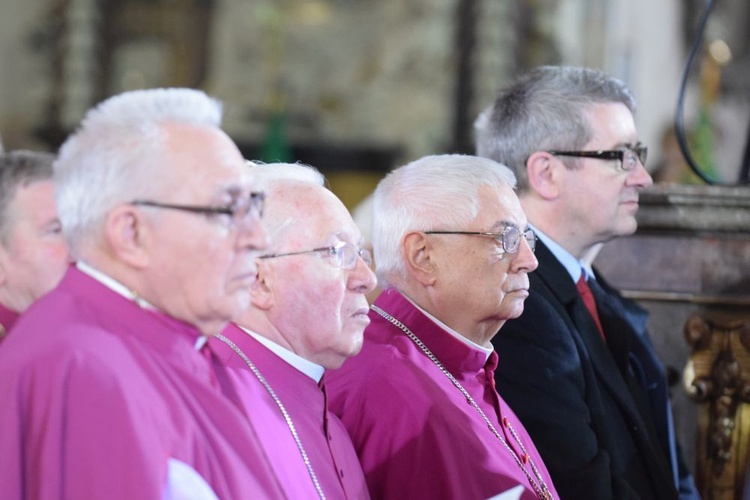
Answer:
(272, 176)
(19, 169)
(434, 192)
(115, 155)
(544, 109)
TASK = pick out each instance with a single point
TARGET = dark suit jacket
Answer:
(598, 412)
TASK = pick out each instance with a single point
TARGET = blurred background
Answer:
(356, 87)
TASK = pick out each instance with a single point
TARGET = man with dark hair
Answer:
(33, 252)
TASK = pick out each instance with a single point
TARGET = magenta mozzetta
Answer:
(414, 432)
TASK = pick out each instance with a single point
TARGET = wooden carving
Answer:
(717, 377)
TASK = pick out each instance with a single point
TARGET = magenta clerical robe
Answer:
(7, 320)
(322, 435)
(104, 399)
(413, 430)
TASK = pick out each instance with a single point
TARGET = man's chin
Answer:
(627, 229)
(517, 310)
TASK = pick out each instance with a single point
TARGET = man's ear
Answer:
(544, 174)
(417, 250)
(261, 291)
(128, 235)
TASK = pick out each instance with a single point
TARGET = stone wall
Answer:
(691, 257)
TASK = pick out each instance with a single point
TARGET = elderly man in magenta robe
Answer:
(33, 252)
(308, 312)
(453, 252)
(106, 393)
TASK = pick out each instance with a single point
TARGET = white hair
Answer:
(266, 174)
(272, 177)
(115, 155)
(362, 215)
(433, 192)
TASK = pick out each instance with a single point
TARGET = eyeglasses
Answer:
(344, 255)
(509, 238)
(628, 156)
(239, 209)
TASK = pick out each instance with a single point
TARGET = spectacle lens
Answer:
(510, 239)
(346, 255)
(257, 203)
(631, 156)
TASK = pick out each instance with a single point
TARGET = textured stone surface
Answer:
(358, 72)
(690, 255)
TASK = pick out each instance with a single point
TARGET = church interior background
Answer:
(357, 87)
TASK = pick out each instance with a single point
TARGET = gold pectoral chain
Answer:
(540, 487)
(282, 408)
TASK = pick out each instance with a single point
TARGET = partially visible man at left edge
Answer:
(106, 389)
(33, 252)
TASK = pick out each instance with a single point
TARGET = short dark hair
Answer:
(19, 169)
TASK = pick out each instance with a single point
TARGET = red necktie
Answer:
(588, 299)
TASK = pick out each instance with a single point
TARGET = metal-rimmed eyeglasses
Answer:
(239, 209)
(628, 156)
(509, 238)
(343, 255)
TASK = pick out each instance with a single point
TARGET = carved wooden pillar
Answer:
(177, 30)
(51, 39)
(466, 26)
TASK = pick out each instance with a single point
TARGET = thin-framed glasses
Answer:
(343, 255)
(238, 210)
(628, 156)
(509, 238)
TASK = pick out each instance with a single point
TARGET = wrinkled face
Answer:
(201, 266)
(35, 257)
(479, 286)
(602, 200)
(318, 308)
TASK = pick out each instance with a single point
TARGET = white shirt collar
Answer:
(121, 289)
(574, 266)
(312, 370)
(450, 330)
(113, 285)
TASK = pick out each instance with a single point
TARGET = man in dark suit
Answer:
(578, 366)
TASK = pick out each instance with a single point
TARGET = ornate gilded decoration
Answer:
(717, 377)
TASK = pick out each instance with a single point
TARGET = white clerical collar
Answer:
(571, 264)
(113, 285)
(450, 330)
(312, 370)
(121, 289)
